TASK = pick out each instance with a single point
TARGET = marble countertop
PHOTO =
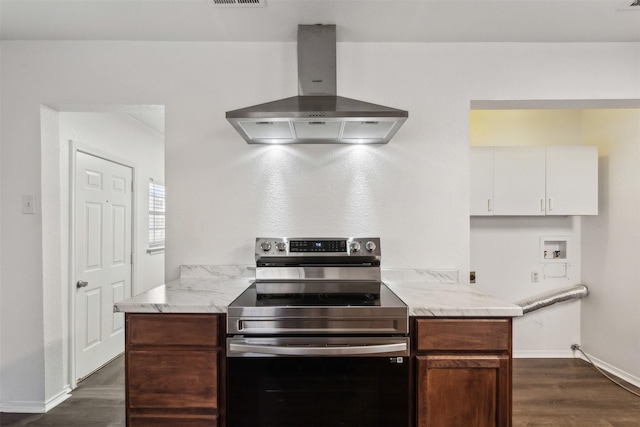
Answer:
(187, 295)
(451, 300)
(210, 289)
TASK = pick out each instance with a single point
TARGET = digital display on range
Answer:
(317, 246)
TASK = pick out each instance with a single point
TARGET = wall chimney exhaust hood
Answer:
(317, 115)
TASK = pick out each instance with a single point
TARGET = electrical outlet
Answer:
(472, 277)
(535, 277)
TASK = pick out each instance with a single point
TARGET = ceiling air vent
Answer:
(239, 3)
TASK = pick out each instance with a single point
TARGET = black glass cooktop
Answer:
(251, 298)
(305, 300)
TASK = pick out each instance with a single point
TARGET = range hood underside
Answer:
(317, 119)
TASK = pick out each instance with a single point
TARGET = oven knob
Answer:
(281, 246)
(265, 246)
(370, 246)
(355, 247)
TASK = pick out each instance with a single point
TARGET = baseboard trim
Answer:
(57, 399)
(543, 354)
(22, 407)
(32, 407)
(631, 379)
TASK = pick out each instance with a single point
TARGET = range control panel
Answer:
(296, 247)
(318, 246)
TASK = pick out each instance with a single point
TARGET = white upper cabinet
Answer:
(518, 181)
(481, 181)
(572, 180)
(533, 181)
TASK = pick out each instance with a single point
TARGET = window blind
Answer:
(156, 215)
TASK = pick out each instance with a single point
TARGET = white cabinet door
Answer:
(481, 202)
(519, 180)
(572, 180)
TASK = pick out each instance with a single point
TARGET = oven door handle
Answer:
(346, 350)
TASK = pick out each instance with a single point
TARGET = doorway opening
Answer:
(127, 135)
(511, 254)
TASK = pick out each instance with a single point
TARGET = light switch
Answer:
(28, 204)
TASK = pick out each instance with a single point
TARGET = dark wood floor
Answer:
(97, 402)
(546, 393)
(569, 393)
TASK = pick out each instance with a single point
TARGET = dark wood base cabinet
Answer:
(463, 372)
(174, 370)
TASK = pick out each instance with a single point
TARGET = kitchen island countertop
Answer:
(214, 294)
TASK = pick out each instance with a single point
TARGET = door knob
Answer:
(81, 284)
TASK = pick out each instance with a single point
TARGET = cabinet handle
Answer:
(550, 204)
(541, 205)
(489, 205)
(311, 350)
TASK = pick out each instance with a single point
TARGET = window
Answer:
(156, 217)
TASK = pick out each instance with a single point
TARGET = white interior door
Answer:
(103, 248)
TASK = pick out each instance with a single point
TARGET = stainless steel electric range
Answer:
(318, 339)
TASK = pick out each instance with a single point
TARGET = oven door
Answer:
(318, 382)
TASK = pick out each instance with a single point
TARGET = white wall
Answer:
(526, 127)
(611, 245)
(223, 192)
(504, 253)
(55, 294)
(1, 364)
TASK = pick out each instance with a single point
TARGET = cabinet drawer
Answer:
(172, 329)
(464, 335)
(172, 379)
(161, 420)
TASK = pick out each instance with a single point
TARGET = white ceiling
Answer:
(357, 20)
(150, 116)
